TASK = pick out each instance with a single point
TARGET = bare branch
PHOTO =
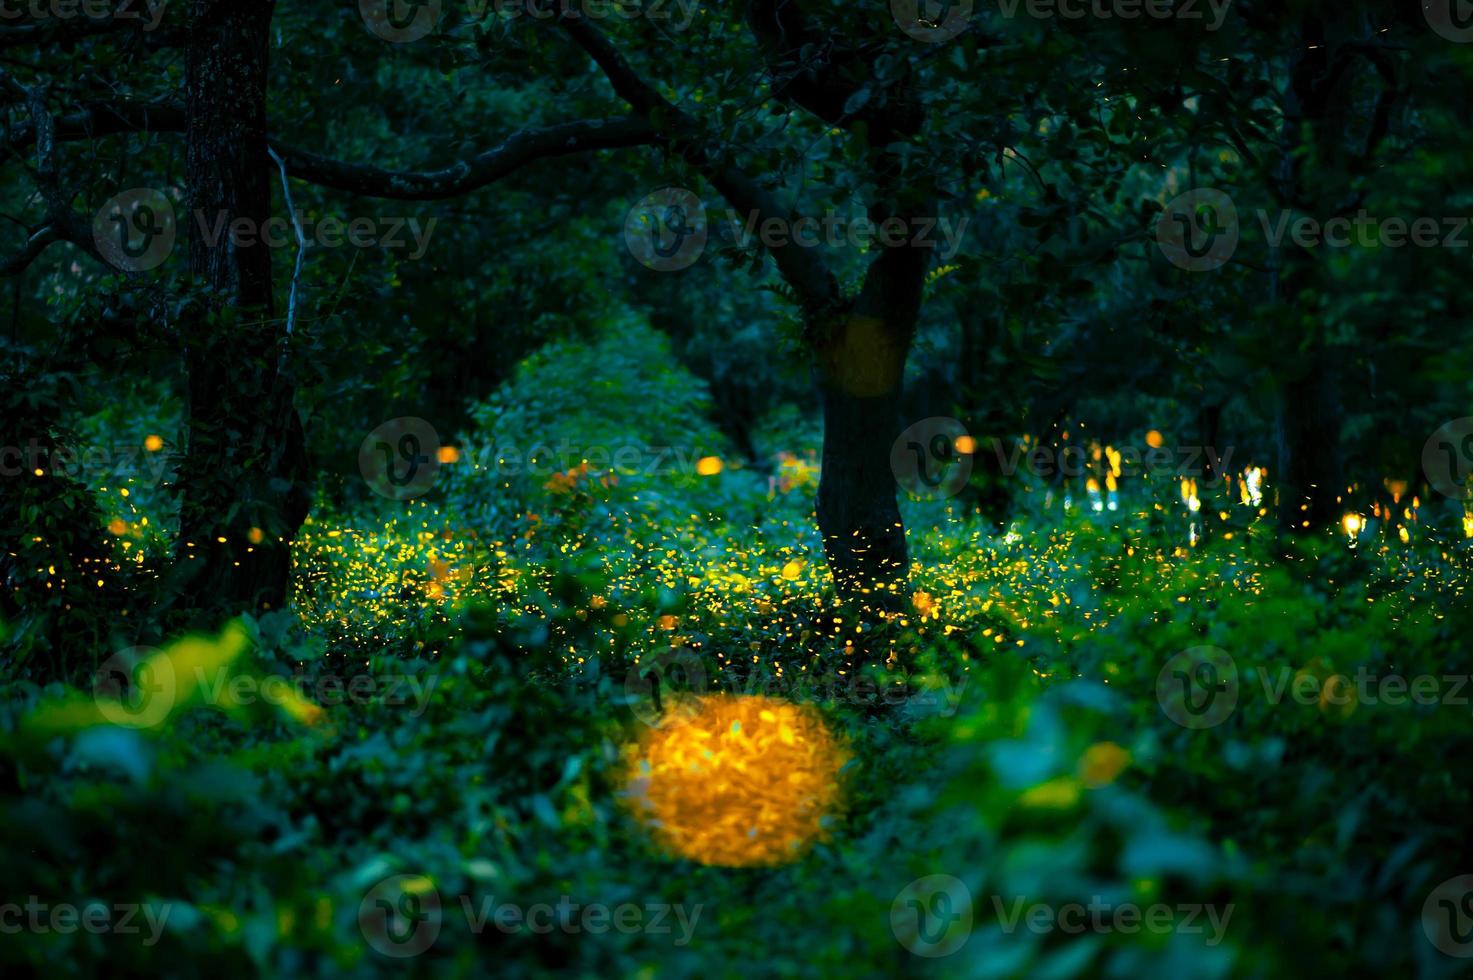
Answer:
(520, 149)
(39, 242)
(803, 268)
(106, 119)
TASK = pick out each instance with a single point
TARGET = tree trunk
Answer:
(863, 535)
(1308, 430)
(1313, 179)
(861, 365)
(242, 483)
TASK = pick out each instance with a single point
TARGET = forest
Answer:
(656, 488)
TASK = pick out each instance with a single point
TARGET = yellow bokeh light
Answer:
(736, 781)
(708, 465)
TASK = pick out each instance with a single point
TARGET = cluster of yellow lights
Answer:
(757, 587)
(736, 781)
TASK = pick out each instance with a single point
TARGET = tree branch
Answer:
(40, 240)
(519, 150)
(803, 268)
(61, 224)
(106, 119)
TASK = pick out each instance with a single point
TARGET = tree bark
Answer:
(243, 482)
(860, 376)
(1307, 417)
(861, 364)
(1308, 428)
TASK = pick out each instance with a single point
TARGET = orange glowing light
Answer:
(736, 781)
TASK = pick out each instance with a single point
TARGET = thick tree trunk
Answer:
(861, 364)
(863, 535)
(1313, 180)
(1308, 430)
(242, 484)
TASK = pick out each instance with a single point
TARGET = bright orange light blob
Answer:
(735, 781)
(1154, 439)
